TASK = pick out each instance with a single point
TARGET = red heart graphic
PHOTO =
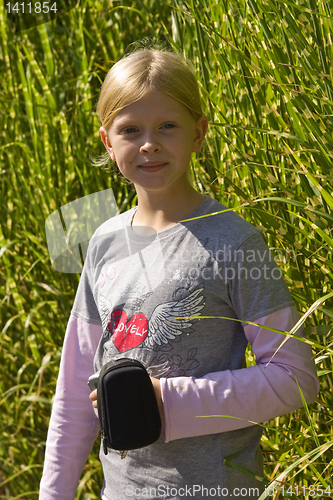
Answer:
(127, 334)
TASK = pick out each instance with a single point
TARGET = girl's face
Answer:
(152, 140)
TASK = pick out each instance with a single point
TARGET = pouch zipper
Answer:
(105, 448)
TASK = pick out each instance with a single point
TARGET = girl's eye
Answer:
(129, 130)
(168, 125)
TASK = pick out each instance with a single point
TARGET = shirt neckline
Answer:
(201, 209)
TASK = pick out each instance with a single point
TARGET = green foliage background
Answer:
(265, 72)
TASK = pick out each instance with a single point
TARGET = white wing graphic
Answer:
(161, 329)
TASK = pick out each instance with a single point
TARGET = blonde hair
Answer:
(143, 71)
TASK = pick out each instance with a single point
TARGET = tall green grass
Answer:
(265, 73)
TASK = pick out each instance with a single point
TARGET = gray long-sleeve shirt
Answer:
(145, 297)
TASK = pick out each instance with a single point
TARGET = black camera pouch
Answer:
(127, 406)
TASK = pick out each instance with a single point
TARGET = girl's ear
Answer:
(200, 132)
(106, 142)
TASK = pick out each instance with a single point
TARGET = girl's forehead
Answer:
(154, 103)
(159, 97)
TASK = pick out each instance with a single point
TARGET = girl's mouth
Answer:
(152, 166)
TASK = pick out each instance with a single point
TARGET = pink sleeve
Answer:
(254, 394)
(73, 425)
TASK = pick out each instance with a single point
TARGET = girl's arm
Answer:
(73, 425)
(254, 395)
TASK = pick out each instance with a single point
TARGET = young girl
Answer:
(147, 272)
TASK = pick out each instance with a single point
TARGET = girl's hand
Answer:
(93, 397)
(157, 388)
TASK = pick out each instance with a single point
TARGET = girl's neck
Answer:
(160, 211)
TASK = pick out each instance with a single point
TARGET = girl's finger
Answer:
(93, 395)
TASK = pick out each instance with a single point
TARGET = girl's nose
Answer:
(150, 145)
